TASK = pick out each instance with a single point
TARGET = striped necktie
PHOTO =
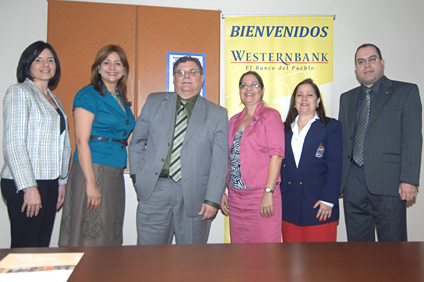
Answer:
(179, 133)
(361, 129)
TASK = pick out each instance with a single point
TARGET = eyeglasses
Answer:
(191, 72)
(371, 60)
(253, 85)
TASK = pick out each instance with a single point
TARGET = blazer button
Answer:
(350, 138)
(289, 182)
(284, 165)
(300, 183)
(156, 173)
(348, 157)
(127, 122)
(123, 146)
(162, 160)
(125, 133)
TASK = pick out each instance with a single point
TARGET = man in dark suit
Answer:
(382, 143)
(179, 155)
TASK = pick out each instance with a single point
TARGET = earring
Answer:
(123, 73)
(99, 72)
(317, 106)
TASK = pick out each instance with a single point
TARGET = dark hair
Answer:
(28, 57)
(96, 78)
(368, 45)
(186, 59)
(258, 77)
(292, 114)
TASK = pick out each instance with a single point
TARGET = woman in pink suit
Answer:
(256, 143)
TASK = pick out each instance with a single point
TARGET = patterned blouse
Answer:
(235, 174)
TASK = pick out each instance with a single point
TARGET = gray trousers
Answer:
(365, 211)
(163, 215)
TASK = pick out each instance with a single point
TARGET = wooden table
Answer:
(248, 262)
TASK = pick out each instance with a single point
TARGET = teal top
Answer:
(110, 121)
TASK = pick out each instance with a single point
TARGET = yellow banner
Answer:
(283, 50)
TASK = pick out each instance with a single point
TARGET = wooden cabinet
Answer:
(77, 30)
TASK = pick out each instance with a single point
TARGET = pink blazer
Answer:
(262, 138)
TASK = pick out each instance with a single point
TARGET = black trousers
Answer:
(36, 231)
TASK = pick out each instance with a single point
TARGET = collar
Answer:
(294, 123)
(257, 112)
(190, 101)
(375, 87)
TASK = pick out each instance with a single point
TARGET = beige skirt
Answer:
(83, 227)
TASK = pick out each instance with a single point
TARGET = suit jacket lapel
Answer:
(351, 109)
(196, 118)
(256, 116)
(310, 146)
(289, 157)
(168, 108)
(381, 99)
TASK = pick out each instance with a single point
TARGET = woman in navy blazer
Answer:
(311, 170)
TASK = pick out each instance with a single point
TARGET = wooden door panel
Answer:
(77, 30)
(161, 30)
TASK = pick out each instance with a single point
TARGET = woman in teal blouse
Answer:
(94, 205)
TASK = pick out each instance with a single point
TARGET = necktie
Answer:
(361, 129)
(179, 133)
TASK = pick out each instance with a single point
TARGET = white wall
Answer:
(395, 26)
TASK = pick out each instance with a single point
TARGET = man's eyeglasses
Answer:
(253, 85)
(191, 72)
(371, 60)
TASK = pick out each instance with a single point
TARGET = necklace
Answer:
(303, 124)
(115, 95)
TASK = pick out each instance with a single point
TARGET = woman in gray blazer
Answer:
(36, 148)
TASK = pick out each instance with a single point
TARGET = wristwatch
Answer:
(268, 190)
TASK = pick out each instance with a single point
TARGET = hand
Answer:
(324, 211)
(224, 205)
(93, 197)
(32, 202)
(407, 191)
(207, 211)
(267, 205)
(60, 196)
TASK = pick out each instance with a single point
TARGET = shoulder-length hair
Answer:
(292, 114)
(96, 78)
(28, 57)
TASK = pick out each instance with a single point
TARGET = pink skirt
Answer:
(246, 223)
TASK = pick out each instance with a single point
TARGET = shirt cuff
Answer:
(215, 205)
(327, 203)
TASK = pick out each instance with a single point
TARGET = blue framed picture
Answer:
(171, 58)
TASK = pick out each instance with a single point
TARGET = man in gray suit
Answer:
(179, 156)
(382, 143)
